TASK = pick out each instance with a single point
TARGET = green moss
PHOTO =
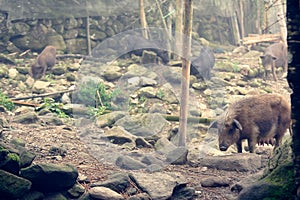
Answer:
(13, 156)
(283, 177)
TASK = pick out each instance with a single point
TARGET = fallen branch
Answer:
(173, 118)
(22, 103)
(42, 95)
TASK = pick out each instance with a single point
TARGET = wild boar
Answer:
(259, 119)
(45, 61)
(275, 56)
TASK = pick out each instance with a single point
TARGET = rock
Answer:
(148, 57)
(151, 160)
(33, 195)
(126, 162)
(12, 73)
(164, 146)
(109, 119)
(236, 162)
(50, 177)
(144, 81)
(55, 196)
(182, 192)
(147, 92)
(246, 182)
(118, 182)
(58, 70)
(261, 191)
(166, 182)
(112, 73)
(178, 156)
(104, 193)
(166, 93)
(215, 182)
(40, 86)
(26, 118)
(140, 196)
(144, 125)
(76, 191)
(12, 186)
(118, 135)
(142, 143)
(3, 71)
(9, 162)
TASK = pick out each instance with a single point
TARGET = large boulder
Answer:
(51, 177)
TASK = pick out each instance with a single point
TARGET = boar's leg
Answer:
(251, 144)
(274, 72)
(239, 146)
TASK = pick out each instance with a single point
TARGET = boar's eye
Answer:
(231, 130)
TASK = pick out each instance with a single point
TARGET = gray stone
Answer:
(148, 92)
(118, 182)
(164, 146)
(118, 135)
(12, 186)
(51, 177)
(235, 162)
(166, 182)
(143, 124)
(76, 191)
(109, 119)
(58, 70)
(3, 71)
(178, 156)
(181, 192)
(104, 193)
(142, 143)
(166, 93)
(55, 196)
(145, 81)
(259, 191)
(26, 118)
(140, 196)
(126, 162)
(148, 57)
(215, 182)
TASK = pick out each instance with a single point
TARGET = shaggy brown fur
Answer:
(45, 61)
(259, 119)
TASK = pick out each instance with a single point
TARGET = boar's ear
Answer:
(237, 124)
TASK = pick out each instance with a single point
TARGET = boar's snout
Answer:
(223, 147)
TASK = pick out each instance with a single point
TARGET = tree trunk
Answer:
(281, 19)
(178, 27)
(185, 78)
(143, 19)
(293, 16)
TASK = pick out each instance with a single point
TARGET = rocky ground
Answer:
(61, 140)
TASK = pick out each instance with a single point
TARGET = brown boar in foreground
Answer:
(275, 56)
(259, 119)
(45, 61)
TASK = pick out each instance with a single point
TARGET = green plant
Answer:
(160, 94)
(95, 95)
(54, 107)
(6, 102)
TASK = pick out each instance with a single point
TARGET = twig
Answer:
(42, 95)
(26, 104)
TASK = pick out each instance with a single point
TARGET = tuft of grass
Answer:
(6, 102)
(54, 107)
